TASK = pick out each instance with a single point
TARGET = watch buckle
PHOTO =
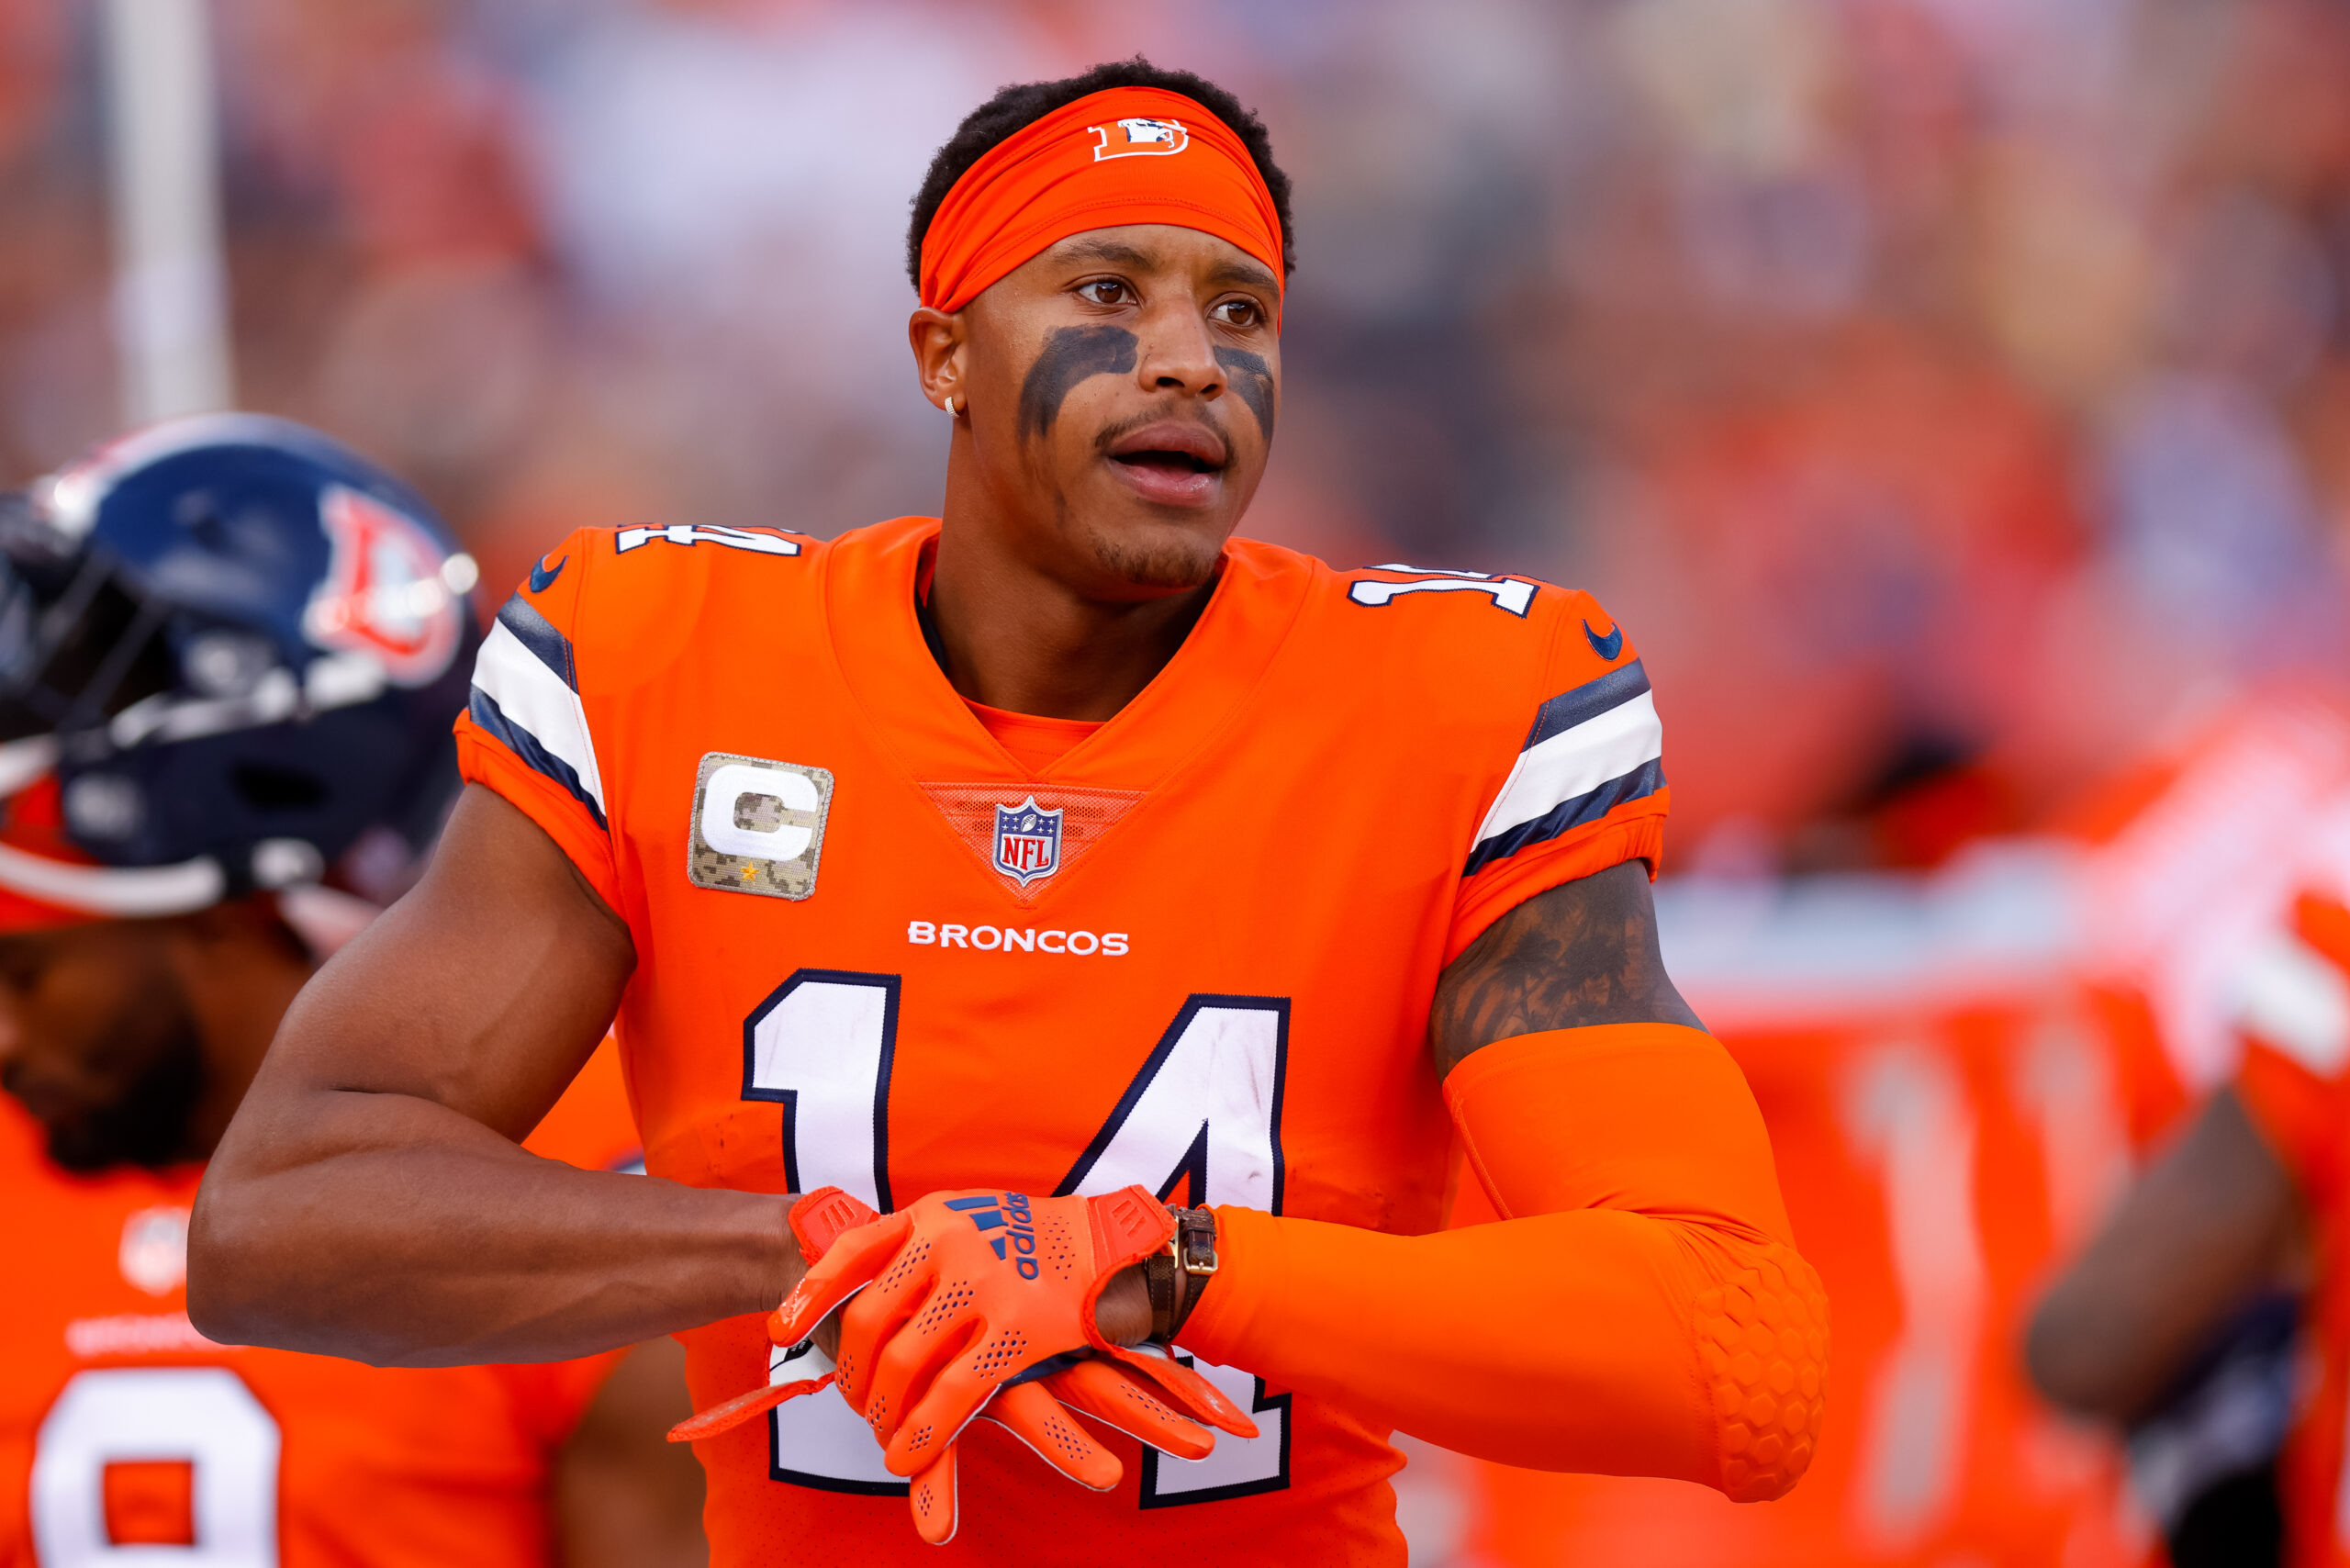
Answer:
(1188, 1260)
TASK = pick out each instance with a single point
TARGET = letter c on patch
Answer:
(726, 788)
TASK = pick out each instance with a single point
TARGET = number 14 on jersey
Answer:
(1206, 1104)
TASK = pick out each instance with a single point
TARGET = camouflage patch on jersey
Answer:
(758, 827)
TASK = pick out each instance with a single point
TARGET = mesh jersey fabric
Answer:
(108, 1396)
(1218, 986)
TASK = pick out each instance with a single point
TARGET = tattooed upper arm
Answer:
(1582, 953)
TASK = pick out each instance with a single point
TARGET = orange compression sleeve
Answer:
(1640, 1309)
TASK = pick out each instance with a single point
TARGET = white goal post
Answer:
(171, 314)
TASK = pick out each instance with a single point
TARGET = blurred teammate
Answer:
(1123, 905)
(2178, 1320)
(2245, 1203)
(229, 650)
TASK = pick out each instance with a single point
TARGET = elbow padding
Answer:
(1657, 1120)
(1640, 1309)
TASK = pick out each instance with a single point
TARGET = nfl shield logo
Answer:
(1027, 841)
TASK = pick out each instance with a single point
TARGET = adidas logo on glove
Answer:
(1009, 1212)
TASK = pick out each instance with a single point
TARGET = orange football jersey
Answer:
(1196, 950)
(123, 1432)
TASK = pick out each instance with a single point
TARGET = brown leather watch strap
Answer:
(1158, 1276)
(1177, 1276)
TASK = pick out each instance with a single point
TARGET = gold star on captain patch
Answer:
(749, 872)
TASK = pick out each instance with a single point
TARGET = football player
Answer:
(1139, 916)
(231, 650)
(2184, 1288)
(2188, 1321)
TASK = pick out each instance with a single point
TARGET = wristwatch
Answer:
(1191, 1252)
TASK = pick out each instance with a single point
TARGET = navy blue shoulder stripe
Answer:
(536, 632)
(1567, 815)
(1589, 700)
(524, 745)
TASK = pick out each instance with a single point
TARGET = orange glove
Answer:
(817, 1221)
(972, 1297)
(1030, 1410)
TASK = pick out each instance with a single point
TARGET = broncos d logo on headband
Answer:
(1139, 139)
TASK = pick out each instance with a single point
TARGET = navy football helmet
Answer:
(240, 647)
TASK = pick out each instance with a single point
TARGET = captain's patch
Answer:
(758, 827)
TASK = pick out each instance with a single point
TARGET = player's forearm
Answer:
(2207, 1225)
(397, 1232)
(1598, 1341)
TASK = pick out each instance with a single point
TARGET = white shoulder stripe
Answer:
(2290, 997)
(537, 700)
(1574, 762)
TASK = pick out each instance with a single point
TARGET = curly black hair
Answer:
(1024, 103)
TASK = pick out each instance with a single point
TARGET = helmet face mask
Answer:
(234, 640)
(77, 645)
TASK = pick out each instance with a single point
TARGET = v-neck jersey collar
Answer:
(918, 715)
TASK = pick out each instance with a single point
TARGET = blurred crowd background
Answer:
(1927, 383)
(1953, 397)
(1945, 388)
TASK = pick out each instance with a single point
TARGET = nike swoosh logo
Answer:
(542, 577)
(1606, 647)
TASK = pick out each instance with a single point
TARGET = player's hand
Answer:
(1033, 1412)
(817, 1221)
(1015, 1315)
(965, 1292)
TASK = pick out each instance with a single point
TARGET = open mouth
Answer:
(1172, 462)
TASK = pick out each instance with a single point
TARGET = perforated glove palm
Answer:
(966, 1298)
(974, 1354)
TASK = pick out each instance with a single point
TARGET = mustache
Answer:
(1171, 412)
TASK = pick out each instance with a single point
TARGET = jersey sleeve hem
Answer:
(482, 761)
(1633, 831)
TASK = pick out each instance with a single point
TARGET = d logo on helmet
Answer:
(387, 592)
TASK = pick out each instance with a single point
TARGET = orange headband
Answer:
(1126, 155)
